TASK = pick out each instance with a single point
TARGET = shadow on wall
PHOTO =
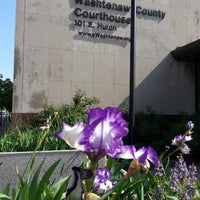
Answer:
(168, 89)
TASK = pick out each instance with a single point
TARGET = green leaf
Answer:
(29, 166)
(110, 164)
(142, 192)
(34, 183)
(117, 167)
(4, 197)
(48, 192)
(6, 190)
(116, 189)
(45, 179)
(23, 192)
(172, 197)
(61, 185)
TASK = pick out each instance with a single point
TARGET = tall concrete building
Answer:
(65, 45)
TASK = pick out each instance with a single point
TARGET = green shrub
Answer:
(28, 139)
(158, 130)
(72, 113)
(50, 119)
(16, 141)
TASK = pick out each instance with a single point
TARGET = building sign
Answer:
(150, 12)
(100, 19)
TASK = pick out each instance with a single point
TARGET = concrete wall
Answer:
(52, 61)
(161, 82)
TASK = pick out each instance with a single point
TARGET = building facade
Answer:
(65, 45)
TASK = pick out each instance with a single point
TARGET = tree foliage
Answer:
(6, 89)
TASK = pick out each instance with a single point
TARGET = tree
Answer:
(6, 90)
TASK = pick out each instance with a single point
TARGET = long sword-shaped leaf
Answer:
(4, 197)
(45, 179)
(61, 185)
(34, 183)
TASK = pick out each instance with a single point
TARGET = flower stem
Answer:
(93, 167)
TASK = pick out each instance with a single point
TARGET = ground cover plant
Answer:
(129, 173)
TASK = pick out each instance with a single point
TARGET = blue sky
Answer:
(7, 35)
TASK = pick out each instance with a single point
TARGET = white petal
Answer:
(71, 135)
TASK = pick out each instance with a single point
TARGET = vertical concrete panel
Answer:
(36, 30)
(59, 36)
(35, 80)
(57, 53)
(121, 71)
(60, 8)
(106, 94)
(18, 57)
(60, 65)
(39, 7)
(20, 5)
(177, 85)
(103, 69)
(160, 44)
(144, 39)
(18, 75)
(59, 92)
(19, 28)
(82, 70)
(121, 91)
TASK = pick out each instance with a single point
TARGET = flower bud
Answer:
(92, 196)
(143, 169)
(133, 168)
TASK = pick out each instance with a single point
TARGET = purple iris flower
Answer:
(102, 135)
(102, 184)
(180, 140)
(143, 154)
(103, 174)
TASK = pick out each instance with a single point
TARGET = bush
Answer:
(72, 113)
(40, 132)
(28, 140)
(150, 128)
(158, 130)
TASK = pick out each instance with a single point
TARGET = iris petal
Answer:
(95, 114)
(141, 154)
(184, 148)
(188, 138)
(104, 131)
(71, 135)
(152, 156)
(127, 152)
